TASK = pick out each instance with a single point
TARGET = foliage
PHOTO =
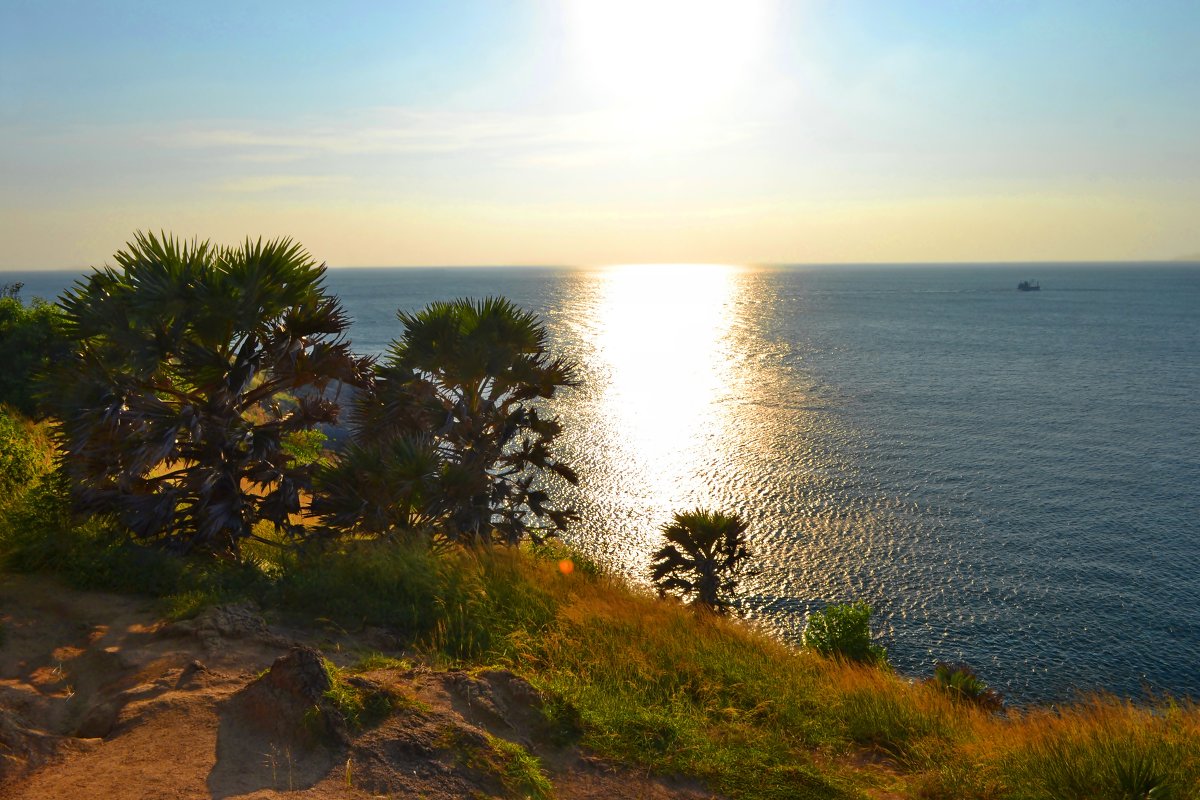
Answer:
(305, 447)
(960, 682)
(653, 684)
(704, 556)
(449, 433)
(24, 454)
(518, 771)
(33, 338)
(170, 410)
(454, 602)
(387, 487)
(844, 631)
(359, 703)
(1101, 747)
(911, 728)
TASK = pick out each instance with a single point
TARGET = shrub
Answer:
(1103, 748)
(24, 454)
(32, 338)
(305, 447)
(844, 631)
(453, 601)
(960, 682)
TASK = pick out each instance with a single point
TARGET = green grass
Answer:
(518, 771)
(360, 705)
(369, 662)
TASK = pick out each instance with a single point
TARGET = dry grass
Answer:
(652, 682)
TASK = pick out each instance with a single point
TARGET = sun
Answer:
(666, 55)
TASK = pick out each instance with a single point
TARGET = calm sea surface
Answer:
(1010, 478)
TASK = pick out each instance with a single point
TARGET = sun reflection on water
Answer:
(664, 337)
(664, 353)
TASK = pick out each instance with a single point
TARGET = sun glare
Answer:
(666, 342)
(677, 55)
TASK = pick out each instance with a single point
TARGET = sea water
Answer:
(1011, 479)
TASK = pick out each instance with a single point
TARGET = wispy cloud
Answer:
(271, 183)
(547, 139)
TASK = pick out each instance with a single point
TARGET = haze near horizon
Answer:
(604, 131)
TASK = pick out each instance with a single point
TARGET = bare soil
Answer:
(101, 698)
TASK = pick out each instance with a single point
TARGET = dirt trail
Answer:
(101, 698)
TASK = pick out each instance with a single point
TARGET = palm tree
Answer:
(466, 376)
(194, 364)
(384, 488)
(703, 558)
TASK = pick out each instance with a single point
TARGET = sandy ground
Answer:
(99, 698)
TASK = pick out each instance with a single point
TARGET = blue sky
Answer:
(604, 131)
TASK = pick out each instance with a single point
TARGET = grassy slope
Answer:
(650, 682)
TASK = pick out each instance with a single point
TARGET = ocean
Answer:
(1011, 479)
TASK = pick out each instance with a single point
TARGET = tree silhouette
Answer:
(704, 556)
(453, 413)
(194, 363)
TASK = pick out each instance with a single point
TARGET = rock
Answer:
(99, 720)
(188, 675)
(500, 702)
(381, 639)
(233, 621)
(24, 749)
(229, 621)
(274, 733)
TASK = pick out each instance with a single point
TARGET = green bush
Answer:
(39, 532)
(960, 682)
(844, 631)
(32, 338)
(305, 447)
(24, 454)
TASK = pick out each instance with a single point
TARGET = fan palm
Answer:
(467, 376)
(703, 558)
(194, 364)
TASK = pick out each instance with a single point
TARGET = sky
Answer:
(604, 131)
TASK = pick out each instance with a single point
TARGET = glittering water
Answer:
(1011, 479)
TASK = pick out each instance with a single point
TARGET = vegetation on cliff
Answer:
(433, 526)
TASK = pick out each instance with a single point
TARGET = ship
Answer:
(1026, 286)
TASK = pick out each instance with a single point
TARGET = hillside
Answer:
(100, 696)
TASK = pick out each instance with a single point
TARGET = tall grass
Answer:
(657, 684)
(455, 602)
(1101, 748)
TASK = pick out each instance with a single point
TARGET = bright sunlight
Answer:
(667, 56)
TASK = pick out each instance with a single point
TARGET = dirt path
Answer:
(99, 698)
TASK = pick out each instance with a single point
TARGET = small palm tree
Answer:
(704, 556)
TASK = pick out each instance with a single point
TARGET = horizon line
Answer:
(1186, 260)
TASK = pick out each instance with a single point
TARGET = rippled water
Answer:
(1011, 479)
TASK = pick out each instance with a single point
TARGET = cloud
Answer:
(552, 140)
(271, 183)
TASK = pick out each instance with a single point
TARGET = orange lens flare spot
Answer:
(566, 566)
